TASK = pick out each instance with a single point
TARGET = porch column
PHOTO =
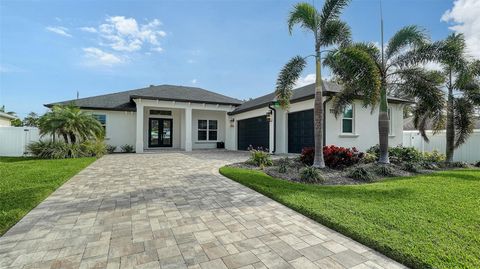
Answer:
(188, 129)
(139, 130)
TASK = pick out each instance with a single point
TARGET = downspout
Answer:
(325, 120)
(274, 127)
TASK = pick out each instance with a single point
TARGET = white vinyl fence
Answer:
(14, 140)
(468, 152)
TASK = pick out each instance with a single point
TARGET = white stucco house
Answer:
(6, 119)
(187, 118)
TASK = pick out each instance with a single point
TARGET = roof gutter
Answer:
(274, 126)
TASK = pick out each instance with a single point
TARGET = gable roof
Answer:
(299, 94)
(123, 100)
(7, 116)
(409, 126)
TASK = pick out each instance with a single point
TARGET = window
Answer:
(102, 119)
(390, 126)
(347, 120)
(207, 130)
(161, 112)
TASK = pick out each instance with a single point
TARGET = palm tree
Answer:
(365, 70)
(31, 120)
(71, 123)
(462, 84)
(328, 30)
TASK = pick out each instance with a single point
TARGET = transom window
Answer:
(207, 130)
(160, 112)
(347, 120)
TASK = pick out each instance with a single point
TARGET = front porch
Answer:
(163, 124)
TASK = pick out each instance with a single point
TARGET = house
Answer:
(187, 118)
(6, 119)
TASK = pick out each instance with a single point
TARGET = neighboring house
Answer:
(192, 118)
(5, 119)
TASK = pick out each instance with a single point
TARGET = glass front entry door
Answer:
(160, 132)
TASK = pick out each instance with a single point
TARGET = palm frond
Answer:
(287, 78)
(358, 74)
(429, 52)
(305, 15)
(411, 35)
(335, 32)
(463, 120)
(331, 10)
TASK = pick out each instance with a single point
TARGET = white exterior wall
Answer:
(208, 115)
(5, 122)
(119, 127)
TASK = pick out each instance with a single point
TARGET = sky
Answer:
(49, 50)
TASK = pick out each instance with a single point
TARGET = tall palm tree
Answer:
(356, 66)
(462, 84)
(328, 30)
(70, 123)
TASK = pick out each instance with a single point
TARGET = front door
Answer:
(160, 132)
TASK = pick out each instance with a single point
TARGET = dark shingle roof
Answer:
(299, 94)
(409, 126)
(123, 100)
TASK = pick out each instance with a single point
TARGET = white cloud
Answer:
(126, 34)
(306, 80)
(194, 81)
(96, 56)
(157, 49)
(59, 30)
(465, 17)
(88, 29)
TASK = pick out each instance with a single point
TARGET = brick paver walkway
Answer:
(172, 210)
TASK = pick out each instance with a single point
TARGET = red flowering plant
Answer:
(335, 157)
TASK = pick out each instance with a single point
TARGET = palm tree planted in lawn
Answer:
(372, 73)
(328, 30)
(70, 123)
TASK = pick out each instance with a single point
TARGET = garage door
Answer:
(300, 131)
(253, 131)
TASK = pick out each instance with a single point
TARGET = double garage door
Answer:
(255, 132)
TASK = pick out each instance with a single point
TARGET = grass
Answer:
(25, 182)
(426, 221)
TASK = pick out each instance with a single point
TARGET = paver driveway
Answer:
(172, 210)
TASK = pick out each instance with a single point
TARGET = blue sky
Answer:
(49, 50)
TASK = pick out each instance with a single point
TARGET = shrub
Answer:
(410, 167)
(307, 156)
(61, 150)
(111, 149)
(430, 166)
(433, 157)
(260, 158)
(458, 165)
(477, 164)
(127, 148)
(362, 174)
(93, 148)
(311, 175)
(384, 170)
(283, 164)
(399, 154)
(369, 158)
(335, 157)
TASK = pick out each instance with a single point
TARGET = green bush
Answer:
(111, 149)
(260, 158)
(283, 164)
(399, 154)
(369, 158)
(433, 157)
(311, 174)
(477, 164)
(362, 174)
(430, 166)
(127, 148)
(411, 167)
(458, 165)
(61, 150)
(384, 170)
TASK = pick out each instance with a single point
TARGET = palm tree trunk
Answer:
(449, 149)
(383, 125)
(318, 114)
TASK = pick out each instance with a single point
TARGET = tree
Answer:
(70, 123)
(14, 122)
(328, 30)
(365, 70)
(462, 84)
(31, 120)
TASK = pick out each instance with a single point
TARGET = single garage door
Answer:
(300, 130)
(253, 131)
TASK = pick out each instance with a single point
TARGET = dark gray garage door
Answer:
(253, 131)
(300, 131)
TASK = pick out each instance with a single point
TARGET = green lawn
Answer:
(25, 182)
(426, 221)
